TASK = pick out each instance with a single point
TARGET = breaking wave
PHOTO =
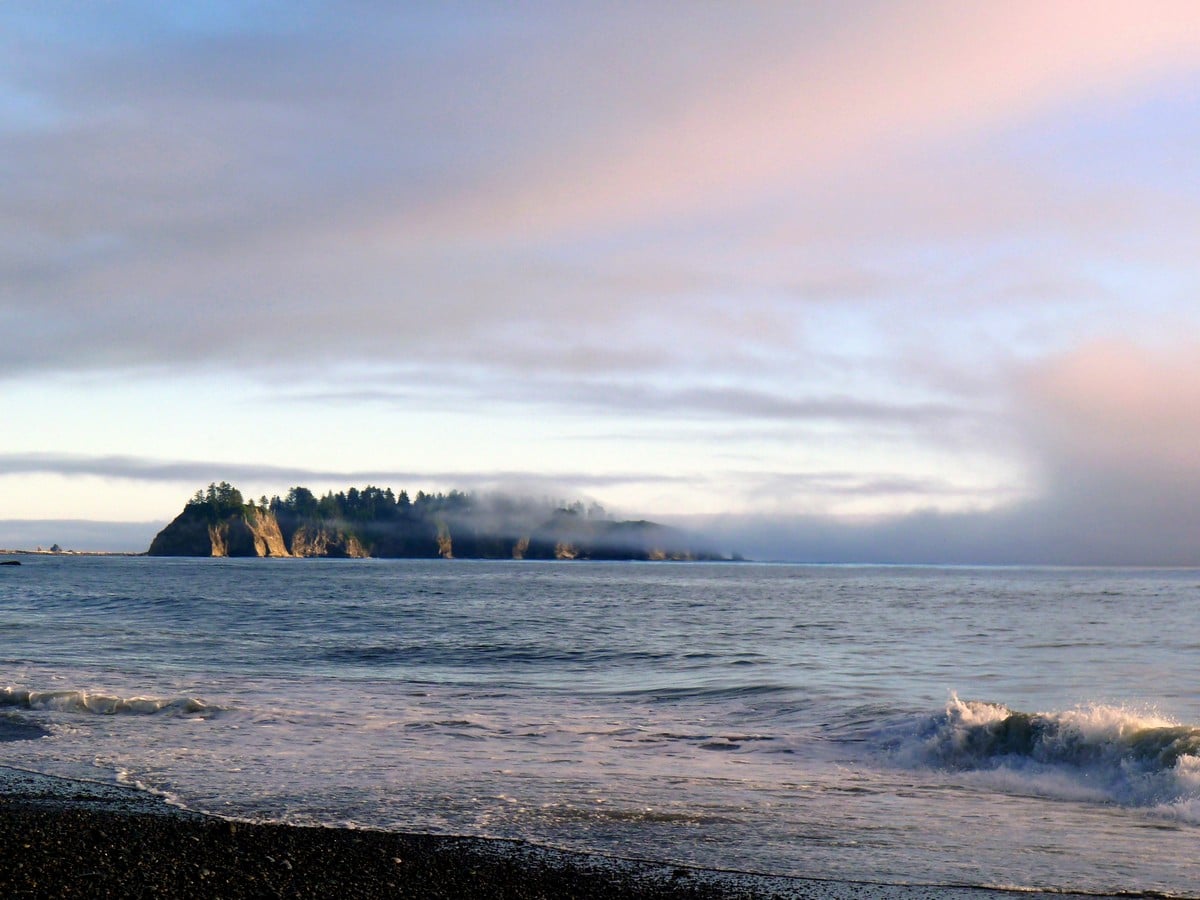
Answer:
(104, 704)
(1102, 753)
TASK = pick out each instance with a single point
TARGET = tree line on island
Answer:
(377, 522)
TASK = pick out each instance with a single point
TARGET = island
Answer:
(375, 522)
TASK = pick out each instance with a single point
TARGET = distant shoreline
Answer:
(6, 552)
(737, 559)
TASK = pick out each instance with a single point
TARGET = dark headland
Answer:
(375, 522)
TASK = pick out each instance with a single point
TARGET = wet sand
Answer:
(61, 838)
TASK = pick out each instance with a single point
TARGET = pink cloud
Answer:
(1121, 411)
(873, 85)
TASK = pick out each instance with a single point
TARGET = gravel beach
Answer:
(62, 838)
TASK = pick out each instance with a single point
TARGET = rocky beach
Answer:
(64, 838)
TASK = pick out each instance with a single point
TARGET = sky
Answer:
(844, 281)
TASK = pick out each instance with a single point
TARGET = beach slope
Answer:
(65, 838)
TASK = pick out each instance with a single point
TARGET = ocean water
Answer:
(1020, 728)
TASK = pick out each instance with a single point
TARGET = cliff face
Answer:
(268, 538)
(251, 532)
(321, 541)
(571, 537)
(187, 535)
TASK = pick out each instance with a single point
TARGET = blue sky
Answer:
(833, 280)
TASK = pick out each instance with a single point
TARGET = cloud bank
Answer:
(1112, 429)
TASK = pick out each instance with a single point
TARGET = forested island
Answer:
(375, 522)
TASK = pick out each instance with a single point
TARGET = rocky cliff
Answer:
(247, 532)
(308, 540)
(251, 532)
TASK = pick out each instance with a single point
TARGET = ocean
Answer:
(1003, 727)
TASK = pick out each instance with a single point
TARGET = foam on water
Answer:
(128, 779)
(1114, 754)
(89, 702)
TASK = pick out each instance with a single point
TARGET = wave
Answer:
(104, 704)
(1106, 753)
(476, 656)
(706, 692)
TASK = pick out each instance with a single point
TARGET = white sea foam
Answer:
(1114, 754)
(96, 703)
(125, 777)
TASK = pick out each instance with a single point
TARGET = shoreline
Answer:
(35, 552)
(89, 839)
